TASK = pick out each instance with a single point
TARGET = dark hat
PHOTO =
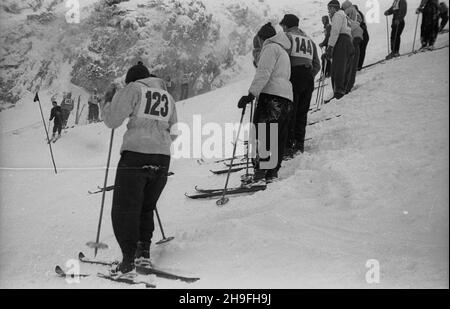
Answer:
(137, 72)
(267, 31)
(335, 4)
(289, 20)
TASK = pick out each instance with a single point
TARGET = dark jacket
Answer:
(56, 113)
(399, 9)
(327, 30)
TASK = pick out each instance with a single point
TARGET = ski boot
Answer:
(258, 179)
(271, 175)
(125, 269)
(142, 258)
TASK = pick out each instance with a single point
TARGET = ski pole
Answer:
(36, 98)
(415, 33)
(97, 245)
(248, 144)
(164, 240)
(223, 200)
(322, 89)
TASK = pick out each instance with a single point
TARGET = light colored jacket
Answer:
(274, 68)
(152, 113)
(339, 25)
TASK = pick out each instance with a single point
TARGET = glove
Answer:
(321, 45)
(329, 53)
(418, 11)
(245, 100)
(386, 13)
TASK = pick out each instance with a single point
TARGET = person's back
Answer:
(151, 110)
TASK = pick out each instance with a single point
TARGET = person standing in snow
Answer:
(93, 102)
(185, 87)
(366, 38)
(56, 116)
(430, 23)
(305, 65)
(67, 106)
(443, 14)
(326, 63)
(145, 158)
(273, 89)
(358, 36)
(340, 48)
(398, 9)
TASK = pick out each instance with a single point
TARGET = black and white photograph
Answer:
(252, 146)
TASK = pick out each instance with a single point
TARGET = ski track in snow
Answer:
(372, 184)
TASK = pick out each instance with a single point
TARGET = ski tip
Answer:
(59, 271)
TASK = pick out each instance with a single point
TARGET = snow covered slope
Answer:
(371, 185)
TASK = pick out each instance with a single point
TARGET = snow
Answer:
(372, 185)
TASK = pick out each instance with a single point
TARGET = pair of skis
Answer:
(133, 281)
(210, 193)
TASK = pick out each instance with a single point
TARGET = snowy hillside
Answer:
(372, 185)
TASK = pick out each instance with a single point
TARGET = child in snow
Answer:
(145, 157)
(56, 116)
(274, 91)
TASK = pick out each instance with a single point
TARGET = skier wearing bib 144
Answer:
(145, 157)
(305, 65)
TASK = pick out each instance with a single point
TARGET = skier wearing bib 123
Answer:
(145, 157)
(305, 65)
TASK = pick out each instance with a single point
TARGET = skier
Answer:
(443, 13)
(340, 49)
(358, 36)
(56, 116)
(366, 38)
(145, 158)
(67, 106)
(185, 87)
(398, 10)
(93, 101)
(326, 63)
(273, 89)
(305, 65)
(430, 23)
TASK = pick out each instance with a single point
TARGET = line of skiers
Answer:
(286, 66)
(431, 11)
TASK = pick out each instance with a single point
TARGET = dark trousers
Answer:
(136, 192)
(57, 127)
(362, 48)
(396, 34)
(354, 64)
(302, 81)
(93, 112)
(342, 53)
(272, 109)
(65, 117)
(429, 30)
(184, 91)
(326, 66)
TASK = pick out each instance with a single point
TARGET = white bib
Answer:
(302, 47)
(155, 104)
